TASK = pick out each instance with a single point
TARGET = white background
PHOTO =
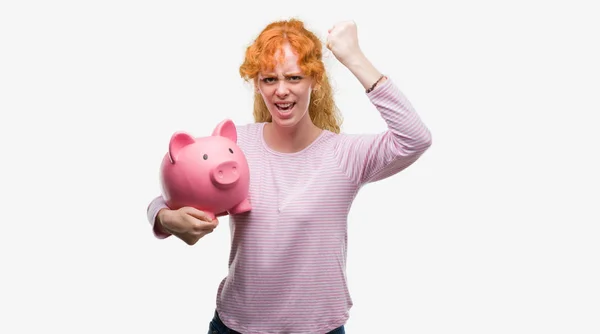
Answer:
(493, 230)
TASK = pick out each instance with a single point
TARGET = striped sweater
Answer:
(287, 263)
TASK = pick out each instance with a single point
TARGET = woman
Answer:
(288, 255)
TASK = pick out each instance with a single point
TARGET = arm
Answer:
(187, 223)
(343, 43)
(372, 157)
(368, 158)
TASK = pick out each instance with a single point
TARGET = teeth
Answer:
(284, 105)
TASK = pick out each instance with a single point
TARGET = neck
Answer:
(290, 139)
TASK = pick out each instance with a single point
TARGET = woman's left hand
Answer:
(343, 42)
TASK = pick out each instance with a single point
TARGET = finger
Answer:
(202, 227)
(199, 214)
(212, 224)
(199, 224)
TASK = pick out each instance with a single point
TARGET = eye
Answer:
(295, 78)
(230, 150)
(268, 80)
(205, 156)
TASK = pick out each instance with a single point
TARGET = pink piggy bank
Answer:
(208, 173)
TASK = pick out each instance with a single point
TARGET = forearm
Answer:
(363, 70)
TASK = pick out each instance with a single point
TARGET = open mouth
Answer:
(285, 107)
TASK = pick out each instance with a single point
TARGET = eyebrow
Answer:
(289, 74)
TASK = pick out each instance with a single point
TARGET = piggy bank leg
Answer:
(244, 206)
(210, 215)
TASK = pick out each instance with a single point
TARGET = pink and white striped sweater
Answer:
(287, 264)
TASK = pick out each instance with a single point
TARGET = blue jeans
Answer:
(216, 326)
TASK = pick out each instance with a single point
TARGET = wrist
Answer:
(381, 79)
(159, 221)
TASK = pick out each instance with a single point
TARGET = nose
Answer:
(225, 175)
(282, 88)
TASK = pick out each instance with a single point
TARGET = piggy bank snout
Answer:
(225, 174)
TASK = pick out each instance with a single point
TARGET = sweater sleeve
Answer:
(371, 157)
(156, 205)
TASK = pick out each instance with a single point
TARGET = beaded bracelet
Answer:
(375, 84)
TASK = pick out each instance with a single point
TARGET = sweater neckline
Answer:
(275, 152)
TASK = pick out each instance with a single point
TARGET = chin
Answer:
(287, 122)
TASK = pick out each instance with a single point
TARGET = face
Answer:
(286, 90)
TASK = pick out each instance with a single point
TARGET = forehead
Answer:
(284, 60)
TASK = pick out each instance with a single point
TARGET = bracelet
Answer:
(375, 84)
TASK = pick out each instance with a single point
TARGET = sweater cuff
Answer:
(154, 207)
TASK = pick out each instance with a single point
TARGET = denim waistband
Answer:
(222, 328)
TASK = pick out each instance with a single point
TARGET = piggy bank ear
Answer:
(179, 140)
(226, 129)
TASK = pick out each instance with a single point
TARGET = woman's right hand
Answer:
(187, 223)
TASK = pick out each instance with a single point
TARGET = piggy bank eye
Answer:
(205, 156)
(230, 150)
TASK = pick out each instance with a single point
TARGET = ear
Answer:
(256, 89)
(226, 129)
(179, 140)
